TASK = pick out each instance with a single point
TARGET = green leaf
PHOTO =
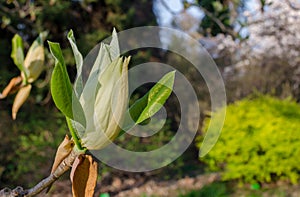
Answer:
(61, 87)
(157, 96)
(17, 53)
(152, 102)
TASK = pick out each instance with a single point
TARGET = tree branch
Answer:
(64, 166)
(168, 8)
(293, 5)
(219, 23)
(232, 33)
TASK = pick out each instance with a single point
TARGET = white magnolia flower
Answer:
(103, 99)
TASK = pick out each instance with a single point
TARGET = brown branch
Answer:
(64, 166)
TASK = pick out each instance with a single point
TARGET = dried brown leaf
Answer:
(84, 176)
(21, 97)
(13, 86)
(63, 150)
(77, 161)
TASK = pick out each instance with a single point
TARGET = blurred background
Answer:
(255, 44)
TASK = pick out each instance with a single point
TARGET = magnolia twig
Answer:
(64, 166)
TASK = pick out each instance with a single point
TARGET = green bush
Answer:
(260, 141)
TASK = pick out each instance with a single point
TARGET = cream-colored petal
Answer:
(110, 105)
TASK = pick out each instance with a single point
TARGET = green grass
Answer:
(217, 189)
(230, 189)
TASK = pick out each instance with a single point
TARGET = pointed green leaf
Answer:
(61, 87)
(157, 96)
(152, 102)
(17, 53)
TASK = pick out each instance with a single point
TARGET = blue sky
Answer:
(165, 17)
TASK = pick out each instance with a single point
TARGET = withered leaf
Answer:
(84, 176)
(63, 150)
(21, 97)
(13, 86)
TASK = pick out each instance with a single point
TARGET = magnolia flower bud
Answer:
(96, 108)
(106, 119)
(103, 99)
